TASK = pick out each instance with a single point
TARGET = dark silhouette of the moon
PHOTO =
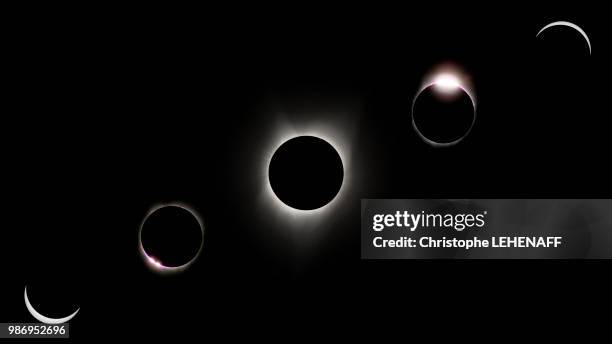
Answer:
(306, 172)
(171, 236)
(443, 117)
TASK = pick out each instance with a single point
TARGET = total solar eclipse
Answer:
(171, 237)
(306, 172)
(443, 112)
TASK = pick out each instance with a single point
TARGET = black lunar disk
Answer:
(171, 236)
(443, 117)
(306, 172)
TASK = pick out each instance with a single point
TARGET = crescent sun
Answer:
(42, 318)
(568, 24)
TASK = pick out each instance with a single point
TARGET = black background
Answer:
(108, 111)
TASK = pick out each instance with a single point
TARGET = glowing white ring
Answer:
(443, 144)
(42, 318)
(568, 24)
(324, 205)
(151, 261)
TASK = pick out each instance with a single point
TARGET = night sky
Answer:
(110, 112)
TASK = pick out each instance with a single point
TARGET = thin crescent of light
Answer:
(42, 318)
(568, 24)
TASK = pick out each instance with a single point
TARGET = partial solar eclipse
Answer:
(570, 25)
(171, 238)
(42, 318)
